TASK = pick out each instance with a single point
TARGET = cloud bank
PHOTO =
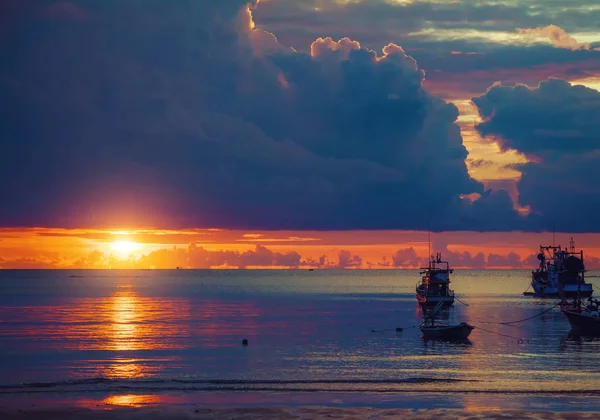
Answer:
(555, 34)
(184, 114)
(198, 257)
(557, 125)
(187, 115)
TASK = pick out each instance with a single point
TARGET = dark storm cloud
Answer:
(557, 124)
(179, 114)
(379, 21)
(447, 56)
(555, 117)
(465, 75)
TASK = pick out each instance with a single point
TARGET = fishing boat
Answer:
(560, 273)
(434, 330)
(435, 283)
(584, 318)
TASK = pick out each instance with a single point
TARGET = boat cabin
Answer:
(435, 282)
(560, 264)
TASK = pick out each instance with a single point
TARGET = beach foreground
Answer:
(267, 413)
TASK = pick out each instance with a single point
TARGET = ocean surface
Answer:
(146, 337)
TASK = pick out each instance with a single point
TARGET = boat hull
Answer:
(583, 324)
(434, 300)
(568, 292)
(447, 333)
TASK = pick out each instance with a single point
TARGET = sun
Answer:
(124, 247)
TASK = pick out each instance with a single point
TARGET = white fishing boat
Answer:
(560, 273)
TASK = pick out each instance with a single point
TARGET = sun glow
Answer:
(124, 246)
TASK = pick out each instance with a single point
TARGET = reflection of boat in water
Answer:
(560, 274)
(434, 330)
(434, 287)
(584, 319)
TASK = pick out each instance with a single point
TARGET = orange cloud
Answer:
(37, 248)
(556, 35)
(323, 46)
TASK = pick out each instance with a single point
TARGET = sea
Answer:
(323, 337)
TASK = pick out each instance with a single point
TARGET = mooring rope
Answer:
(396, 329)
(466, 304)
(594, 284)
(522, 320)
(519, 339)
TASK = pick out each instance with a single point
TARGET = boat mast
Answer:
(572, 245)
(428, 243)
(429, 246)
(579, 276)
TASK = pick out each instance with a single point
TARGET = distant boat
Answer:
(435, 283)
(584, 318)
(560, 273)
(434, 330)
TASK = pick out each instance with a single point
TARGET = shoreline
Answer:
(162, 412)
(259, 404)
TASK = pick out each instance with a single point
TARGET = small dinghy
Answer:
(447, 332)
(433, 330)
(584, 318)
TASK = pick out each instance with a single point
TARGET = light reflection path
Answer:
(173, 330)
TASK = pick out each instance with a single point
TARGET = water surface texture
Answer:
(182, 330)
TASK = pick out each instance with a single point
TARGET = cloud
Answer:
(198, 257)
(511, 260)
(301, 22)
(555, 124)
(260, 256)
(430, 31)
(558, 36)
(407, 257)
(187, 115)
(553, 117)
(327, 46)
(347, 260)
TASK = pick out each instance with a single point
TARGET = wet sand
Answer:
(268, 413)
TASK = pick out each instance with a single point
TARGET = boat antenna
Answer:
(572, 245)
(428, 242)
(553, 234)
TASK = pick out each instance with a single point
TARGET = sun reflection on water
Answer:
(126, 310)
(132, 400)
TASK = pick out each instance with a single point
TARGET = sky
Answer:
(356, 124)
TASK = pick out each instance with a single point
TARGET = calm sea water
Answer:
(139, 335)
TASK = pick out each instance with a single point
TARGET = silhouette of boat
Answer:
(584, 319)
(435, 283)
(435, 330)
(560, 274)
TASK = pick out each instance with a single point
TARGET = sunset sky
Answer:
(297, 133)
